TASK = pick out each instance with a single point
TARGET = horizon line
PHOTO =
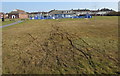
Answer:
(63, 9)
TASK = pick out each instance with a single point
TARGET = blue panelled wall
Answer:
(58, 16)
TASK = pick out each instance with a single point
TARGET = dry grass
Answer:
(64, 46)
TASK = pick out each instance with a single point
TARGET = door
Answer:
(13, 16)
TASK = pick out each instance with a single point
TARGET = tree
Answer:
(113, 13)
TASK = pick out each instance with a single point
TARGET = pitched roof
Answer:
(17, 11)
(60, 12)
(79, 10)
(38, 13)
(1, 13)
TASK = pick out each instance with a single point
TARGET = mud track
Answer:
(61, 47)
(61, 54)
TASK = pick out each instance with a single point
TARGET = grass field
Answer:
(64, 46)
(8, 21)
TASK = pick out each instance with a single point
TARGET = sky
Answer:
(59, 0)
(47, 6)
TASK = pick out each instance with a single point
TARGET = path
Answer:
(11, 24)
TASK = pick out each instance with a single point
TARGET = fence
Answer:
(53, 17)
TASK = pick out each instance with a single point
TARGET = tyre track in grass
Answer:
(51, 45)
(62, 54)
(85, 54)
(59, 53)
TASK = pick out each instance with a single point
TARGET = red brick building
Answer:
(17, 14)
(1, 15)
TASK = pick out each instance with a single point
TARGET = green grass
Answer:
(7, 22)
(54, 46)
(105, 17)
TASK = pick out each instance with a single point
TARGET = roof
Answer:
(1, 13)
(60, 12)
(17, 11)
(76, 10)
(79, 10)
(38, 13)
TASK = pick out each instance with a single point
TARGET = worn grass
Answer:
(8, 21)
(63, 46)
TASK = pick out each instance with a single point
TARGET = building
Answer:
(78, 12)
(36, 15)
(103, 12)
(33, 14)
(17, 14)
(81, 12)
(1, 15)
(61, 13)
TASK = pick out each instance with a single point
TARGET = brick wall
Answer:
(10, 16)
(23, 16)
(1, 15)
